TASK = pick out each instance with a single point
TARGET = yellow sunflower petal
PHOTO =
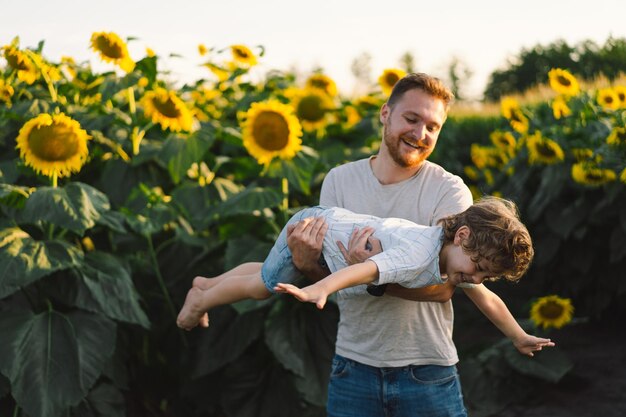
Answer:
(551, 311)
(53, 144)
(271, 129)
(389, 78)
(112, 49)
(563, 82)
(165, 108)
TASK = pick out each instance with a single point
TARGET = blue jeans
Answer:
(358, 390)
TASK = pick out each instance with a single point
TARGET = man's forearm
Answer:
(435, 293)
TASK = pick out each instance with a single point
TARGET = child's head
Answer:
(496, 238)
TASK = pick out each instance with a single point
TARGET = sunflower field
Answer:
(118, 188)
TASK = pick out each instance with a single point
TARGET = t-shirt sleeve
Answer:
(455, 199)
(328, 193)
(403, 265)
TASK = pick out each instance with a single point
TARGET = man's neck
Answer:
(387, 171)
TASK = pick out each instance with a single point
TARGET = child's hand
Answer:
(528, 344)
(308, 294)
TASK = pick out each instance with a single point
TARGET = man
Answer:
(394, 355)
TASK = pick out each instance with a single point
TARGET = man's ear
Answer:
(384, 113)
(461, 234)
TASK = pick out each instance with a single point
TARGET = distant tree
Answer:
(586, 60)
(407, 62)
(361, 68)
(459, 73)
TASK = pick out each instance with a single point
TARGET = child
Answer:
(486, 241)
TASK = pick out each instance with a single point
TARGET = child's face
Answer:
(458, 264)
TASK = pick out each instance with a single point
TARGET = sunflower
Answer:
(551, 311)
(312, 107)
(19, 61)
(560, 108)
(164, 107)
(6, 92)
(608, 99)
(505, 141)
(591, 174)
(620, 91)
(112, 49)
(322, 82)
(389, 78)
(543, 150)
(512, 111)
(243, 55)
(617, 136)
(563, 82)
(582, 154)
(622, 176)
(201, 173)
(471, 173)
(53, 145)
(352, 116)
(270, 129)
(202, 49)
(150, 52)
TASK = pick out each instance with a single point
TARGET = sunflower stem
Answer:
(136, 137)
(55, 179)
(285, 188)
(131, 100)
(16, 410)
(161, 282)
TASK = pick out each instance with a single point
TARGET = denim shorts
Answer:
(278, 266)
(358, 390)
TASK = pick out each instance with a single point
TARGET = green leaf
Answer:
(248, 201)
(228, 337)
(24, 260)
(8, 172)
(563, 220)
(113, 220)
(13, 195)
(617, 244)
(550, 364)
(302, 338)
(104, 400)
(53, 359)
(148, 67)
(76, 206)
(179, 154)
(299, 170)
(102, 284)
(245, 249)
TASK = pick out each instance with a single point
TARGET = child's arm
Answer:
(363, 273)
(494, 308)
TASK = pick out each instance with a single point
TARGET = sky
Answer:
(304, 35)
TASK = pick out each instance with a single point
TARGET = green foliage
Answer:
(586, 60)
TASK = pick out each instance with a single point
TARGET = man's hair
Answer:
(496, 235)
(420, 81)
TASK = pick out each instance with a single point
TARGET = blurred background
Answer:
(131, 161)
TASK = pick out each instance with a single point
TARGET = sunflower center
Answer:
(167, 107)
(551, 310)
(564, 81)
(53, 143)
(241, 53)
(109, 48)
(608, 99)
(310, 108)
(270, 131)
(319, 83)
(545, 149)
(18, 62)
(391, 79)
(515, 116)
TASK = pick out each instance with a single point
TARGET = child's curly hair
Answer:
(496, 234)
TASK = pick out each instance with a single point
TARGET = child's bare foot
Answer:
(191, 315)
(204, 283)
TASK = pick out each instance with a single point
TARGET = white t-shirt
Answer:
(390, 331)
(410, 254)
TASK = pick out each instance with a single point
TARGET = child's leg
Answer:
(243, 269)
(227, 291)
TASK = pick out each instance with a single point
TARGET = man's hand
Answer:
(305, 239)
(362, 246)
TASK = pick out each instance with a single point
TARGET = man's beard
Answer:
(404, 160)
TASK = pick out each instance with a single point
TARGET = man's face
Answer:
(411, 127)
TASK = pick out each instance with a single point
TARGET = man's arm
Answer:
(317, 293)
(362, 246)
(494, 308)
(304, 240)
